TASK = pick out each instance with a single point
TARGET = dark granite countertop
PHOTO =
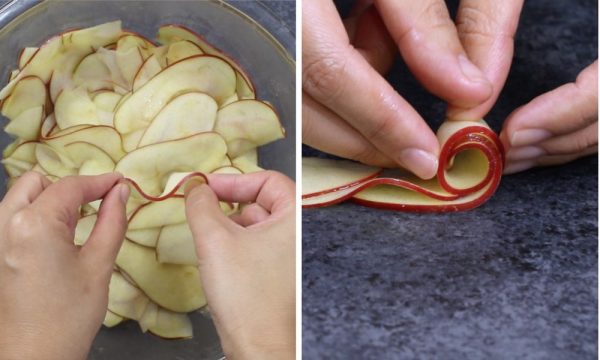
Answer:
(513, 279)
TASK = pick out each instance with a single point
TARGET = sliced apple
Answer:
(84, 228)
(180, 50)
(151, 175)
(89, 159)
(149, 316)
(185, 115)
(111, 319)
(158, 213)
(104, 137)
(176, 245)
(246, 124)
(146, 236)
(29, 92)
(26, 54)
(125, 299)
(92, 74)
(27, 125)
(172, 325)
(174, 287)
(147, 71)
(129, 62)
(107, 100)
(75, 107)
(325, 175)
(201, 73)
(54, 162)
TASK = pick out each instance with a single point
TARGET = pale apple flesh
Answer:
(470, 170)
(104, 99)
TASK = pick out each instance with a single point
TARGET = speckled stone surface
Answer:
(513, 279)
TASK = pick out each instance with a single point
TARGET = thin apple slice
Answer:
(13, 74)
(16, 168)
(132, 139)
(92, 74)
(29, 92)
(131, 40)
(174, 287)
(175, 245)
(75, 107)
(26, 54)
(167, 158)
(169, 34)
(89, 159)
(201, 73)
(146, 236)
(84, 228)
(125, 299)
(470, 170)
(104, 137)
(247, 124)
(185, 115)
(147, 71)
(158, 213)
(129, 62)
(107, 100)
(149, 316)
(325, 175)
(111, 319)
(54, 162)
(172, 325)
(27, 124)
(110, 59)
(180, 50)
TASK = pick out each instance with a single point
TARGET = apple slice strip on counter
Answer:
(470, 169)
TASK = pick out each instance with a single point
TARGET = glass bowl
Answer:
(244, 36)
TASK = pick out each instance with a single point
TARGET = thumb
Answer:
(209, 225)
(109, 231)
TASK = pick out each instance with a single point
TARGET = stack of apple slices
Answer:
(470, 169)
(102, 99)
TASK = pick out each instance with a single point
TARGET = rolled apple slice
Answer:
(246, 124)
(202, 73)
(183, 116)
(209, 150)
(180, 50)
(158, 213)
(470, 170)
(174, 287)
(147, 71)
(145, 237)
(104, 137)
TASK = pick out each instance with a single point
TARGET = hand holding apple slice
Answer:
(470, 170)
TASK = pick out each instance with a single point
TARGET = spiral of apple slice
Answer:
(470, 169)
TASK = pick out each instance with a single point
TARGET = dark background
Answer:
(513, 279)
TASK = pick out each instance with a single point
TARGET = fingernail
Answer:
(471, 71)
(529, 136)
(518, 166)
(524, 153)
(191, 184)
(422, 163)
(124, 192)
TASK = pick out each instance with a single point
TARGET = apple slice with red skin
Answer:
(470, 170)
(27, 124)
(168, 34)
(25, 55)
(149, 68)
(246, 124)
(104, 137)
(185, 115)
(149, 175)
(180, 50)
(174, 287)
(29, 92)
(202, 73)
(146, 237)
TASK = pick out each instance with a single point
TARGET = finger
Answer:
(563, 110)
(573, 143)
(253, 214)
(373, 41)
(486, 29)
(209, 225)
(324, 130)
(109, 231)
(272, 190)
(65, 196)
(548, 160)
(429, 44)
(25, 190)
(337, 76)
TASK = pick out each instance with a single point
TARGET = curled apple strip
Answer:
(470, 169)
(174, 192)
